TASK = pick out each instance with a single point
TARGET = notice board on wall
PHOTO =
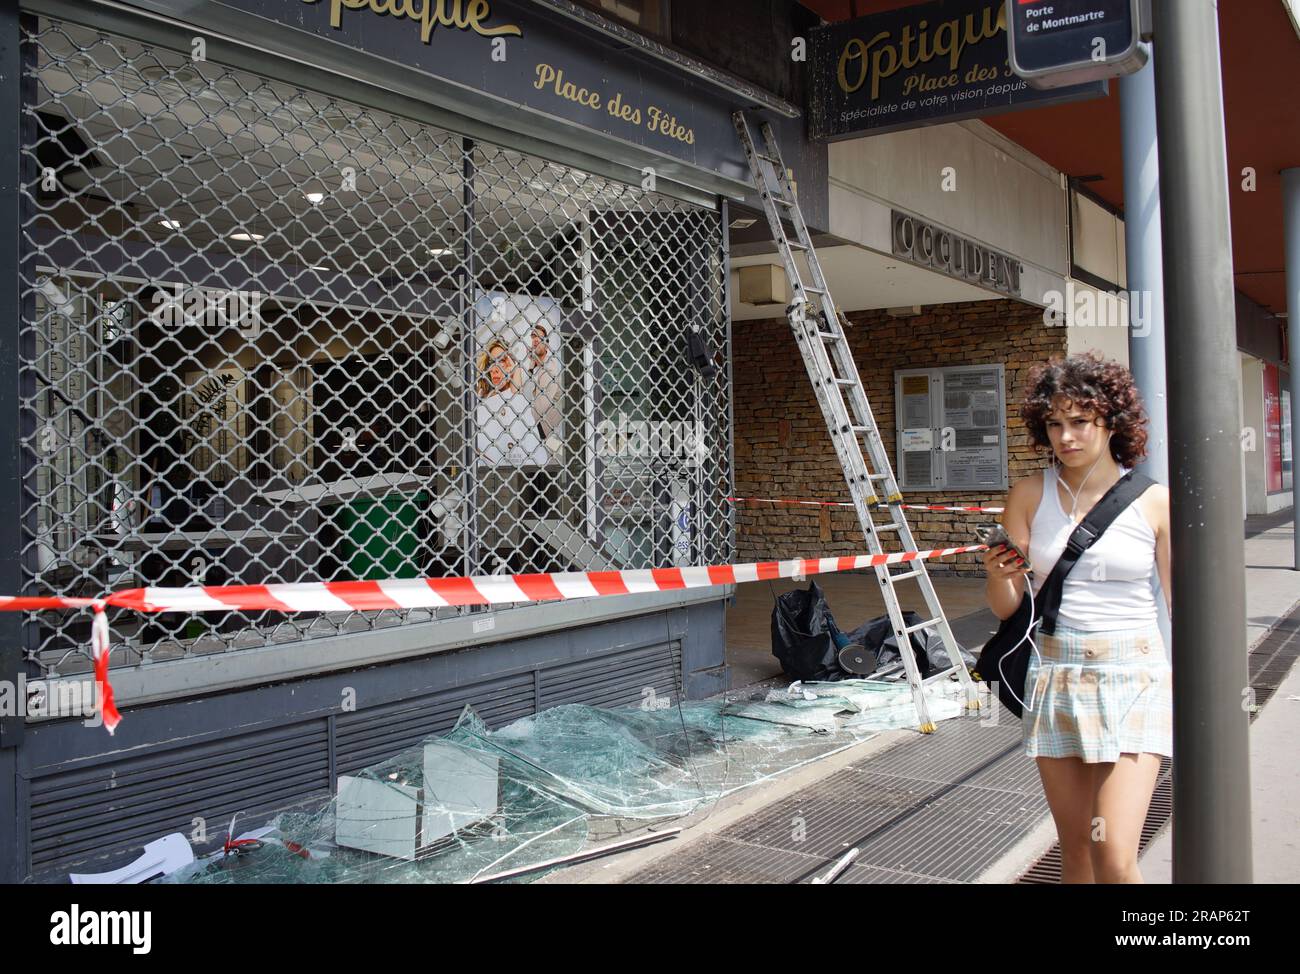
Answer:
(951, 428)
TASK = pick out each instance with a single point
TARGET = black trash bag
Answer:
(874, 633)
(804, 635)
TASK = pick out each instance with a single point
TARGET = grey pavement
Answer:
(1272, 590)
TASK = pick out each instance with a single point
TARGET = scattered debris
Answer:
(160, 858)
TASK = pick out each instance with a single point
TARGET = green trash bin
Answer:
(383, 536)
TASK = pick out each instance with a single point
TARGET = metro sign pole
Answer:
(1047, 42)
(1212, 822)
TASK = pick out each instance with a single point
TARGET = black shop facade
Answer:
(328, 290)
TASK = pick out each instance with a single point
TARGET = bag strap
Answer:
(1122, 493)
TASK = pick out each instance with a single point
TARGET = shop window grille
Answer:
(268, 335)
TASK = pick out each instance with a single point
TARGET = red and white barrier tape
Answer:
(100, 651)
(906, 507)
(422, 593)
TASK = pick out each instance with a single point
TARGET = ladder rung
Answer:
(921, 625)
(863, 429)
(941, 674)
(814, 290)
(828, 336)
(846, 382)
(877, 476)
(881, 528)
(796, 244)
(782, 200)
(913, 574)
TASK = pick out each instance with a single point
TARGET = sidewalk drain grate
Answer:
(934, 808)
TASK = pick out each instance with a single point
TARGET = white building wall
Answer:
(999, 194)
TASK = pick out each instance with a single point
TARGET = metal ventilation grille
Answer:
(272, 336)
(91, 816)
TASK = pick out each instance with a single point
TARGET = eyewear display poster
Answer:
(517, 364)
(951, 426)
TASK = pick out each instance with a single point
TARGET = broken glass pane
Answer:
(476, 802)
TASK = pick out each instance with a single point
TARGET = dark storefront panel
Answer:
(88, 802)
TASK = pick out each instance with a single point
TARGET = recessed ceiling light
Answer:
(314, 198)
(743, 222)
(242, 235)
(170, 224)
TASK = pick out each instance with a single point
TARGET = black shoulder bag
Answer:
(1005, 657)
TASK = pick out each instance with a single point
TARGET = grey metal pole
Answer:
(1212, 828)
(1146, 278)
(1291, 222)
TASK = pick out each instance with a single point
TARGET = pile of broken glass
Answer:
(482, 805)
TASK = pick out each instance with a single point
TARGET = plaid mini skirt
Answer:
(1097, 695)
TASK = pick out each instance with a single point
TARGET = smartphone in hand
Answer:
(994, 535)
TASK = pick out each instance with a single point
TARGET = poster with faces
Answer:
(517, 380)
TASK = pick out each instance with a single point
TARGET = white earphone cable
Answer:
(1074, 495)
(1034, 646)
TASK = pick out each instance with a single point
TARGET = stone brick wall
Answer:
(783, 449)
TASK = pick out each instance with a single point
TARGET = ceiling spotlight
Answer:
(243, 235)
(170, 224)
(314, 198)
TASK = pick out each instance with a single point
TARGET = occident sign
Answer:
(946, 252)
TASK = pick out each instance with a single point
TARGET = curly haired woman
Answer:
(1101, 687)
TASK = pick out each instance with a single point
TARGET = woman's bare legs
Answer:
(1068, 785)
(1121, 797)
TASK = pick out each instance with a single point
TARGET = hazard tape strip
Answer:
(423, 593)
(906, 507)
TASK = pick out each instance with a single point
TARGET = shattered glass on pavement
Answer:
(566, 778)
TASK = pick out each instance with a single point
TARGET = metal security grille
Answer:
(272, 336)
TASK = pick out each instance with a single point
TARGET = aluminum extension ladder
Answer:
(823, 343)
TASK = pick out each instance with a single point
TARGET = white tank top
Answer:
(1110, 586)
